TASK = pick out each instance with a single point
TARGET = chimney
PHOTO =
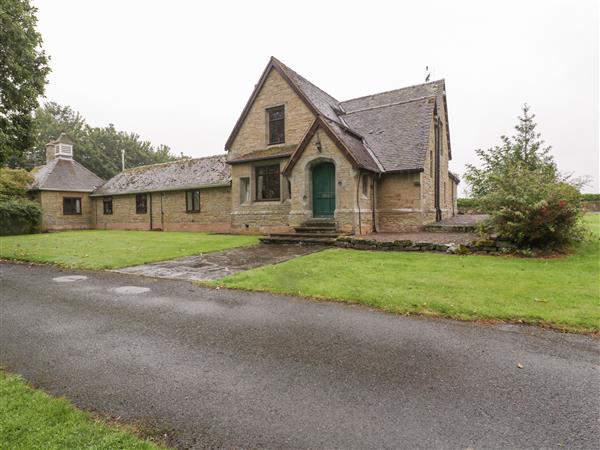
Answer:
(50, 151)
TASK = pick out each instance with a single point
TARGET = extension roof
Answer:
(210, 171)
(386, 132)
(64, 175)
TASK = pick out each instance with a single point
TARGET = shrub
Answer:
(19, 216)
(533, 211)
(467, 202)
(14, 183)
(590, 197)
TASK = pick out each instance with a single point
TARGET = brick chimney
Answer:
(50, 152)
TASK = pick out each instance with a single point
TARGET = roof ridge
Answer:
(391, 104)
(394, 90)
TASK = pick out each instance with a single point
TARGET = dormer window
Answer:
(63, 150)
(276, 125)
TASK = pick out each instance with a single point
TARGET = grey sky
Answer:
(179, 72)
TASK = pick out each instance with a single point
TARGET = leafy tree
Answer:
(97, 148)
(23, 72)
(14, 183)
(530, 203)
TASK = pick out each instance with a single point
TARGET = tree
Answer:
(97, 148)
(524, 149)
(518, 184)
(23, 71)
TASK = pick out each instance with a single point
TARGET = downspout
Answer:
(162, 213)
(374, 225)
(358, 202)
(150, 211)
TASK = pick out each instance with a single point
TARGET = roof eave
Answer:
(176, 188)
(261, 158)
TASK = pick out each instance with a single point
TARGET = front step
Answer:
(313, 231)
(298, 240)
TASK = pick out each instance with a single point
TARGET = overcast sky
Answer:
(179, 72)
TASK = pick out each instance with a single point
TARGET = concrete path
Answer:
(211, 266)
(231, 369)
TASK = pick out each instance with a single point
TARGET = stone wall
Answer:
(252, 135)
(53, 218)
(168, 212)
(399, 199)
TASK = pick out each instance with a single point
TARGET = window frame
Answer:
(365, 185)
(139, 210)
(188, 209)
(245, 199)
(257, 174)
(270, 121)
(77, 200)
(105, 201)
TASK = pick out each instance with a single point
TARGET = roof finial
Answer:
(427, 74)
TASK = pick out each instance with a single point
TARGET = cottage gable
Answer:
(251, 134)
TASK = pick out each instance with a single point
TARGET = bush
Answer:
(590, 197)
(533, 211)
(19, 216)
(467, 203)
(14, 183)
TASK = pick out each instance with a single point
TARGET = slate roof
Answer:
(385, 132)
(209, 171)
(398, 133)
(64, 175)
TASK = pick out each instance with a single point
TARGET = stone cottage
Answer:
(62, 187)
(375, 163)
(298, 156)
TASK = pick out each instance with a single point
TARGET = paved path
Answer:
(211, 266)
(235, 369)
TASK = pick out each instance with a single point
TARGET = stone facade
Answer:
(167, 211)
(53, 218)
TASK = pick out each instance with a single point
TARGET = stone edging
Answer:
(482, 246)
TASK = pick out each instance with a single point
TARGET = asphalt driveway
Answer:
(234, 369)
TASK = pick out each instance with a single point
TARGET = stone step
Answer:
(319, 225)
(315, 230)
(324, 234)
(298, 240)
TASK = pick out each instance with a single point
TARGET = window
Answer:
(276, 125)
(192, 201)
(71, 206)
(365, 185)
(244, 190)
(267, 183)
(107, 204)
(141, 204)
(289, 186)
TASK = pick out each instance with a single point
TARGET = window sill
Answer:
(193, 212)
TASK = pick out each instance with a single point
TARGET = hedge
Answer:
(590, 197)
(467, 202)
(19, 216)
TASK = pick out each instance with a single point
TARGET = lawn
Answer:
(562, 292)
(31, 419)
(100, 249)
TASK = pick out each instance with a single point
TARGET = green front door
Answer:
(323, 187)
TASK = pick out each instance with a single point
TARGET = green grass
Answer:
(31, 419)
(562, 292)
(100, 249)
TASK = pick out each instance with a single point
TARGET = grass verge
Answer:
(102, 249)
(562, 293)
(31, 419)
